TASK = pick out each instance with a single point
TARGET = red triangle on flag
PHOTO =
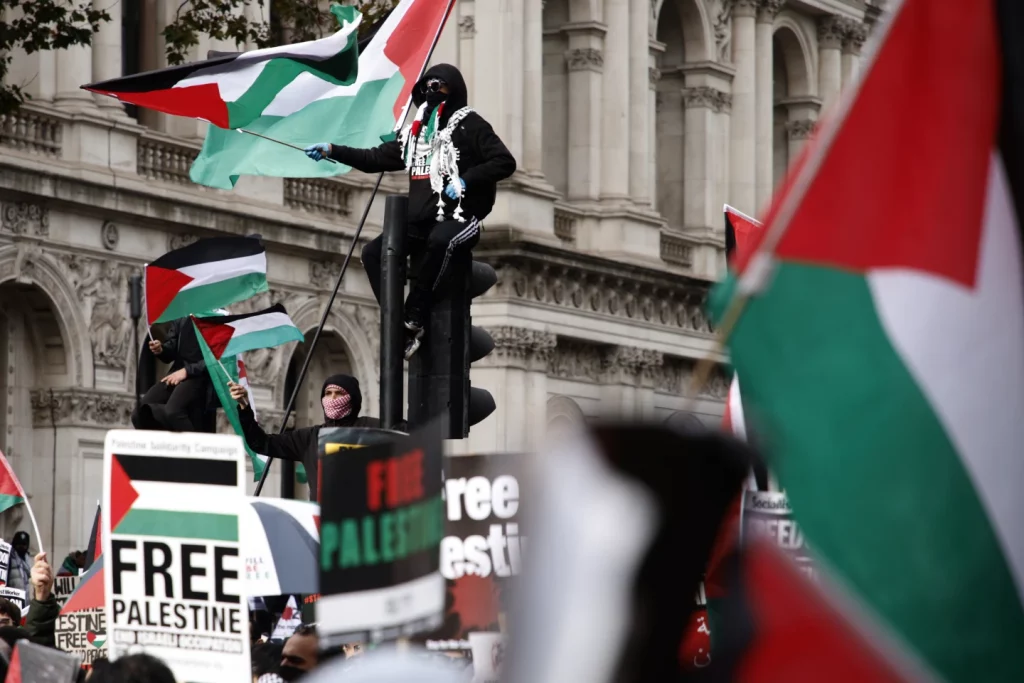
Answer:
(89, 594)
(216, 335)
(409, 44)
(122, 493)
(14, 668)
(746, 232)
(162, 285)
(316, 520)
(9, 484)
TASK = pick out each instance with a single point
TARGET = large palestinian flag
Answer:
(357, 114)
(231, 91)
(882, 353)
(204, 276)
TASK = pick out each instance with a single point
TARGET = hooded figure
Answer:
(455, 161)
(341, 401)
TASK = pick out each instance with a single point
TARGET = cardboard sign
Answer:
(5, 562)
(83, 633)
(17, 596)
(767, 514)
(172, 547)
(483, 545)
(381, 524)
(63, 587)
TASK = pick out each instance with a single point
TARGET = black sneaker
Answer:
(415, 335)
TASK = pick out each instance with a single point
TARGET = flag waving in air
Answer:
(234, 334)
(882, 345)
(204, 276)
(231, 91)
(355, 114)
(11, 492)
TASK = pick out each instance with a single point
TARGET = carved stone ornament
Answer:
(676, 374)
(576, 360)
(520, 344)
(721, 10)
(831, 32)
(853, 39)
(800, 129)
(178, 240)
(109, 236)
(585, 59)
(467, 26)
(768, 9)
(323, 273)
(744, 8)
(653, 75)
(707, 97)
(24, 218)
(102, 288)
(629, 364)
(81, 408)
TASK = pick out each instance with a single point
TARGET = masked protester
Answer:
(454, 160)
(300, 654)
(341, 400)
(20, 572)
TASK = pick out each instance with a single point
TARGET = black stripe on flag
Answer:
(1010, 21)
(159, 79)
(209, 250)
(730, 238)
(226, 319)
(179, 470)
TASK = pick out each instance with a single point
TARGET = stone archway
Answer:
(794, 84)
(564, 414)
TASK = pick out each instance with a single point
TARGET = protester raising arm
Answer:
(44, 609)
(379, 159)
(293, 445)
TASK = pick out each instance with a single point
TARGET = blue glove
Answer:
(450, 190)
(318, 151)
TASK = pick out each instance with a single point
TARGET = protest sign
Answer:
(83, 633)
(5, 561)
(488, 656)
(172, 552)
(15, 595)
(483, 545)
(767, 514)
(63, 587)
(381, 524)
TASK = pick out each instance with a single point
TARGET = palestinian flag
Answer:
(741, 233)
(95, 548)
(11, 492)
(778, 626)
(204, 276)
(357, 114)
(882, 353)
(139, 504)
(233, 334)
(230, 91)
(89, 593)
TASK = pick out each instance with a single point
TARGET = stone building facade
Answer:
(632, 122)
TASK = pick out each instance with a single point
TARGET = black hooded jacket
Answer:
(483, 158)
(181, 349)
(301, 445)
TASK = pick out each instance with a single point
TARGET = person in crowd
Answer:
(43, 608)
(341, 399)
(455, 161)
(138, 668)
(178, 402)
(300, 654)
(10, 614)
(73, 564)
(20, 570)
(266, 658)
(353, 650)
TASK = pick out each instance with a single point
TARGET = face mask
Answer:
(290, 673)
(337, 408)
(435, 98)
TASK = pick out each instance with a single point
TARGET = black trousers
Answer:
(445, 242)
(172, 408)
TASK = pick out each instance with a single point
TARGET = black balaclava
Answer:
(455, 99)
(351, 385)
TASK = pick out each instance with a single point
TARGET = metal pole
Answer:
(320, 328)
(396, 209)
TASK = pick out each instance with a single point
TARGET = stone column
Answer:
(797, 133)
(743, 122)
(639, 101)
(585, 62)
(830, 76)
(766, 11)
(463, 14)
(853, 41)
(652, 139)
(74, 69)
(498, 52)
(702, 103)
(614, 103)
(106, 52)
(533, 88)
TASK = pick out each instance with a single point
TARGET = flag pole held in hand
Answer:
(280, 142)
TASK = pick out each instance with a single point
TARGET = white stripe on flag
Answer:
(258, 323)
(218, 271)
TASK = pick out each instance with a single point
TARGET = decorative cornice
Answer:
(323, 273)
(675, 375)
(831, 31)
(800, 129)
(81, 408)
(630, 365)
(585, 59)
(177, 240)
(743, 8)
(520, 345)
(25, 218)
(707, 97)
(768, 9)
(599, 286)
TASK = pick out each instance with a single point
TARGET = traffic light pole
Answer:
(392, 336)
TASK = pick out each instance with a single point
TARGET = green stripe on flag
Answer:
(262, 339)
(8, 501)
(875, 482)
(179, 524)
(216, 295)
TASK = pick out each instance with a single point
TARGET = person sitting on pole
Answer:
(455, 161)
(341, 399)
(178, 402)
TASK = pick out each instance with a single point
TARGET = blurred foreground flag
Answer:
(882, 351)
